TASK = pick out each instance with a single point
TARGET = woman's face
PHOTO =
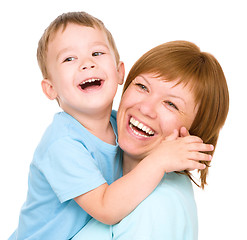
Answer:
(150, 109)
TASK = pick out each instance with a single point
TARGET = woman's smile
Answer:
(140, 129)
(150, 109)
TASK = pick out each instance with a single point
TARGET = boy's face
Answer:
(83, 74)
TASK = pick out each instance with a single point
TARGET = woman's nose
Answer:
(148, 108)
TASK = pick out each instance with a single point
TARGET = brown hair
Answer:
(183, 61)
(80, 18)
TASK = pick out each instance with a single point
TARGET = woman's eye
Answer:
(142, 87)
(95, 54)
(172, 105)
(69, 59)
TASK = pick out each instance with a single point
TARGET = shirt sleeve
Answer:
(70, 169)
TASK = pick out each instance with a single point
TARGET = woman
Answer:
(172, 86)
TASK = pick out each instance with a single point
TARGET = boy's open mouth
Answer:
(90, 83)
(140, 129)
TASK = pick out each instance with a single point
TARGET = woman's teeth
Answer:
(142, 127)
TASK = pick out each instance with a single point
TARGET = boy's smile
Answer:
(82, 71)
(91, 83)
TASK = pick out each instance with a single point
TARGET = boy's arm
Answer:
(111, 203)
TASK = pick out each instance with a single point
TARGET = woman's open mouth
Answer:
(140, 129)
(91, 84)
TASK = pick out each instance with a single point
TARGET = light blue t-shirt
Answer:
(168, 213)
(69, 161)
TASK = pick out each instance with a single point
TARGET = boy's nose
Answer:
(87, 65)
(84, 67)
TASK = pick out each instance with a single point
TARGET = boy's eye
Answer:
(69, 59)
(95, 54)
(172, 105)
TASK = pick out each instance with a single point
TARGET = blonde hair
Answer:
(183, 61)
(80, 18)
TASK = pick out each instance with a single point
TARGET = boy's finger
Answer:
(198, 156)
(184, 132)
(200, 147)
(196, 165)
(174, 135)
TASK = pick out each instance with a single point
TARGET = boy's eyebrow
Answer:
(100, 43)
(70, 48)
(62, 51)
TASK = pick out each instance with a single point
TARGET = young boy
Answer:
(78, 159)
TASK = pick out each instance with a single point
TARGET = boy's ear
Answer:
(48, 89)
(121, 72)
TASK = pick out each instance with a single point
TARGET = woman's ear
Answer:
(48, 89)
(121, 72)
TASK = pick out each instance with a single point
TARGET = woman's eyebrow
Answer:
(145, 79)
(177, 97)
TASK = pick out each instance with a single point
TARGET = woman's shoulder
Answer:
(176, 183)
(174, 193)
(169, 212)
(172, 197)
(172, 185)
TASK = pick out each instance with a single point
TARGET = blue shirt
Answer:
(68, 162)
(168, 213)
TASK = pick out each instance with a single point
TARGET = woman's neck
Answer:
(129, 163)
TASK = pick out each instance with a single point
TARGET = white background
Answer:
(218, 27)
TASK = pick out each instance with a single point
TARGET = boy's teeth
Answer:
(91, 80)
(141, 126)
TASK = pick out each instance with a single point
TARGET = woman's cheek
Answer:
(169, 124)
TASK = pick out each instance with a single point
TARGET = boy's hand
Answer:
(181, 153)
(177, 152)
(183, 132)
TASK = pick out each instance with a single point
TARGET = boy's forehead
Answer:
(72, 28)
(65, 27)
(69, 37)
